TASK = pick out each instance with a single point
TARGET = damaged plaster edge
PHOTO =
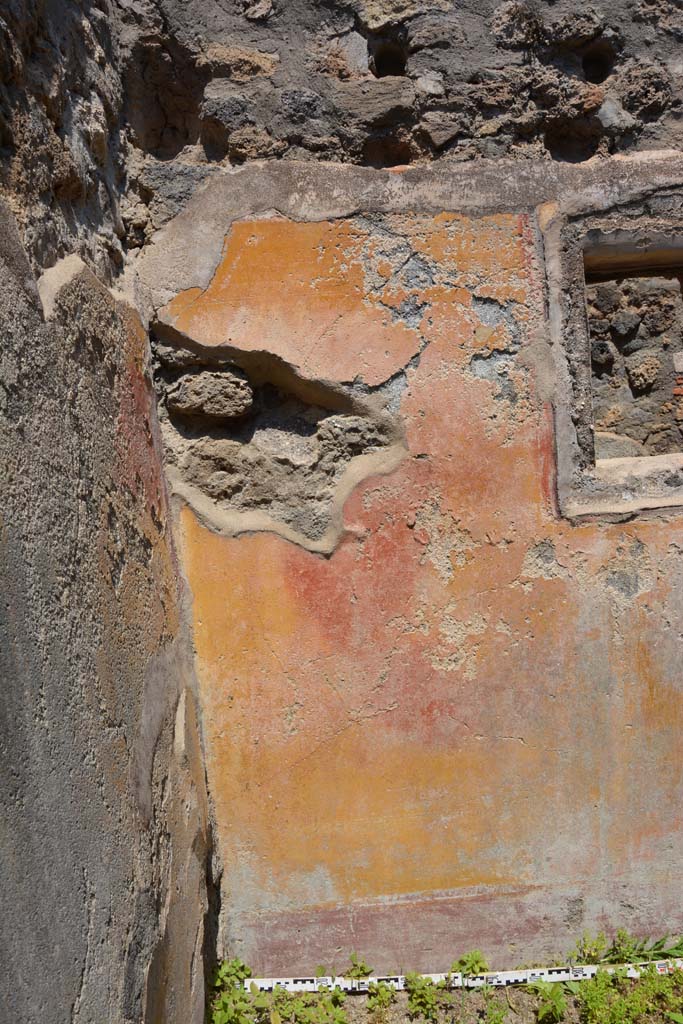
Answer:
(625, 468)
(550, 223)
(186, 251)
(578, 510)
(626, 474)
(57, 277)
(265, 367)
(230, 523)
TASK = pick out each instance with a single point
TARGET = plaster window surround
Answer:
(637, 241)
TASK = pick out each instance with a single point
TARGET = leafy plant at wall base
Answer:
(470, 963)
(380, 998)
(553, 1003)
(495, 1012)
(589, 949)
(358, 968)
(617, 999)
(422, 997)
(231, 973)
(232, 1004)
(306, 1008)
(625, 949)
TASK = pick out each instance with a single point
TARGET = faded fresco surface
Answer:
(341, 392)
(464, 720)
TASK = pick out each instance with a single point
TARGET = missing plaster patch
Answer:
(251, 446)
(257, 435)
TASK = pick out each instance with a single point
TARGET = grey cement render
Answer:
(104, 833)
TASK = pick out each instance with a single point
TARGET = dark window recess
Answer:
(635, 324)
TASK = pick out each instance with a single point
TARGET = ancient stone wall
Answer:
(342, 397)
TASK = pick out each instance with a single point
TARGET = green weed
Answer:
(380, 998)
(625, 949)
(308, 1007)
(233, 1004)
(552, 1004)
(616, 999)
(470, 963)
(358, 968)
(422, 997)
(590, 949)
(495, 1012)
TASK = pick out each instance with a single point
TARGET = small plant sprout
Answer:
(358, 968)
(422, 997)
(231, 1004)
(471, 963)
(553, 1003)
(495, 1011)
(380, 998)
(590, 949)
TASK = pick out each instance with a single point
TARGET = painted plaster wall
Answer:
(461, 727)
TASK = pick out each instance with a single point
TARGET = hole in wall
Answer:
(388, 60)
(574, 141)
(598, 63)
(388, 54)
(387, 151)
(163, 90)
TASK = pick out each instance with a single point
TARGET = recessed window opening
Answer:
(635, 327)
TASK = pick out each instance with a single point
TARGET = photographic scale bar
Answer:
(494, 979)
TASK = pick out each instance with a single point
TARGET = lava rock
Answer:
(223, 395)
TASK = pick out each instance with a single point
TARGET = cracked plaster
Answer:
(438, 662)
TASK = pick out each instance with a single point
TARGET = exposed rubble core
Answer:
(636, 330)
(260, 446)
(394, 83)
(61, 141)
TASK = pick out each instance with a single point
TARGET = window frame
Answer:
(642, 235)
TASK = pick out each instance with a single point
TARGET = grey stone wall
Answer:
(104, 837)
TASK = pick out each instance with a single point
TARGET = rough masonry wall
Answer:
(105, 837)
(353, 329)
(62, 147)
(636, 330)
(446, 728)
